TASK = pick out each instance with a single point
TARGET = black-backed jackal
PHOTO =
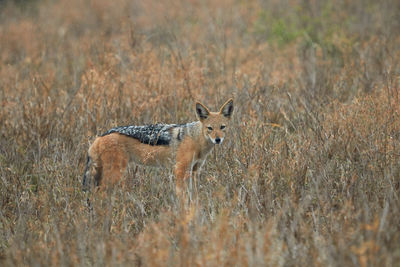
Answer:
(184, 145)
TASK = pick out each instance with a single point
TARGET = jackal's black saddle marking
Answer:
(152, 134)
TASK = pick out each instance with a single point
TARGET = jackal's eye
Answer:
(223, 127)
(209, 128)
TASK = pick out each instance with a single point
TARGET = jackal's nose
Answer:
(217, 140)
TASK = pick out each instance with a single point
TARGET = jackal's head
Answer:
(214, 124)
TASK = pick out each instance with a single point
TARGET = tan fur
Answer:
(110, 154)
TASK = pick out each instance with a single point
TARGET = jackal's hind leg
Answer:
(114, 167)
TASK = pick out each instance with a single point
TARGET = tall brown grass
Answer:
(309, 175)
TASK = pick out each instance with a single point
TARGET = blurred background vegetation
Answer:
(309, 174)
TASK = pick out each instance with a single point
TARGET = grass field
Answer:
(309, 174)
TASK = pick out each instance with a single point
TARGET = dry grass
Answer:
(309, 176)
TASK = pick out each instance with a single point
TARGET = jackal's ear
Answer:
(227, 108)
(202, 111)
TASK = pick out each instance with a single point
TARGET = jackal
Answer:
(184, 146)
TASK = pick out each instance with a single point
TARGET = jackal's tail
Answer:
(86, 175)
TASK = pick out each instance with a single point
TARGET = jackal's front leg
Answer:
(182, 172)
(185, 159)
